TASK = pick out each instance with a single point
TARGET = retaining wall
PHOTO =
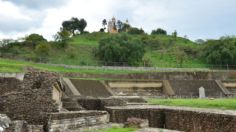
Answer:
(158, 76)
(63, 122)
(91, 88)
(190, 88)
(182, 119)
(136, 88)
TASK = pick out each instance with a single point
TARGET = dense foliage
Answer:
(74, 24)
(159, 31)
(220, 52)
(121, 48)
(135, 31)
(130, 46)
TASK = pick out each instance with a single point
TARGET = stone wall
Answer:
(91, 88)
(8, 85)
(22, 126)
(158, 76)
(63, 122)
(190, 88)
(136, 88)
(32, 99)
(100, 103)
(182, 119)
(199, 121)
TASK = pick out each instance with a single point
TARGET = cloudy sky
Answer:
(195, 18)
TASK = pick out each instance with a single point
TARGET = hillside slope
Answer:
(161, 51)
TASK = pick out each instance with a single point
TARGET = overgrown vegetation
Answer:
(221, 51)
(122, 49)
(130, 46)
(197, 103)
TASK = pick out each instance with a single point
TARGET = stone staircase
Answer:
(230, 86)
(70, 104)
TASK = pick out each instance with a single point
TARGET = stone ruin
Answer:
(35, 104)
(45, 101)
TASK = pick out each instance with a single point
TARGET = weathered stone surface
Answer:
(99, 103)
(190, 88)
(31, 99)
(160, 75)
(136, 123)
(178, 118)
(4, 122)
(63, 122)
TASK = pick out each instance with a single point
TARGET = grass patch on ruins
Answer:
(198, 103)
(117, 129)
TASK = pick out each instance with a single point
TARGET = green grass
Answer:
(7, 65)
(117, 129)
(81, 49)
(198, 103)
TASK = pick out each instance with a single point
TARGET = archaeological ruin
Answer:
(37, 101)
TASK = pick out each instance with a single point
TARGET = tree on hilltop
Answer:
(74, 24)
(34, 39)
(121, 48)
(159, 31)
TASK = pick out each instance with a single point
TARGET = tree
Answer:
(121, 48)
(159, 31)
(74, 24)
(220, 52)
(104, 23)
(82, 25)
(175, 34)
(180, 56)
(119, 25)
(199, 41)
(135, 31)
(42, 51)
(34, 39)
(102, 30)
(62, 36)
(125, 28)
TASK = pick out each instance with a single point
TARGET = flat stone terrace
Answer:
(200, 110)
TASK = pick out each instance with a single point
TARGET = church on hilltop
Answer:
(113, 25)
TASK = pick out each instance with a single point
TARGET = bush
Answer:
(159, 31)
(42, 51)
(121, 48)
(221, 51)
(136, 31)
(34, 39)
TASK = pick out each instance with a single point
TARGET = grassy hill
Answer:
(160, 51)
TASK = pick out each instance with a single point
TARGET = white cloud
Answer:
(37, 4)
(202, 18)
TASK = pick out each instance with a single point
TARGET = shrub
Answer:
(159, 31)
(42, 51)
(136, 31)
(121, 48)
(221, 51)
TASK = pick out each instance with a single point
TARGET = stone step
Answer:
(72, 121)
(71, 105)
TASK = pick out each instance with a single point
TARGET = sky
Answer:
(197, 19)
